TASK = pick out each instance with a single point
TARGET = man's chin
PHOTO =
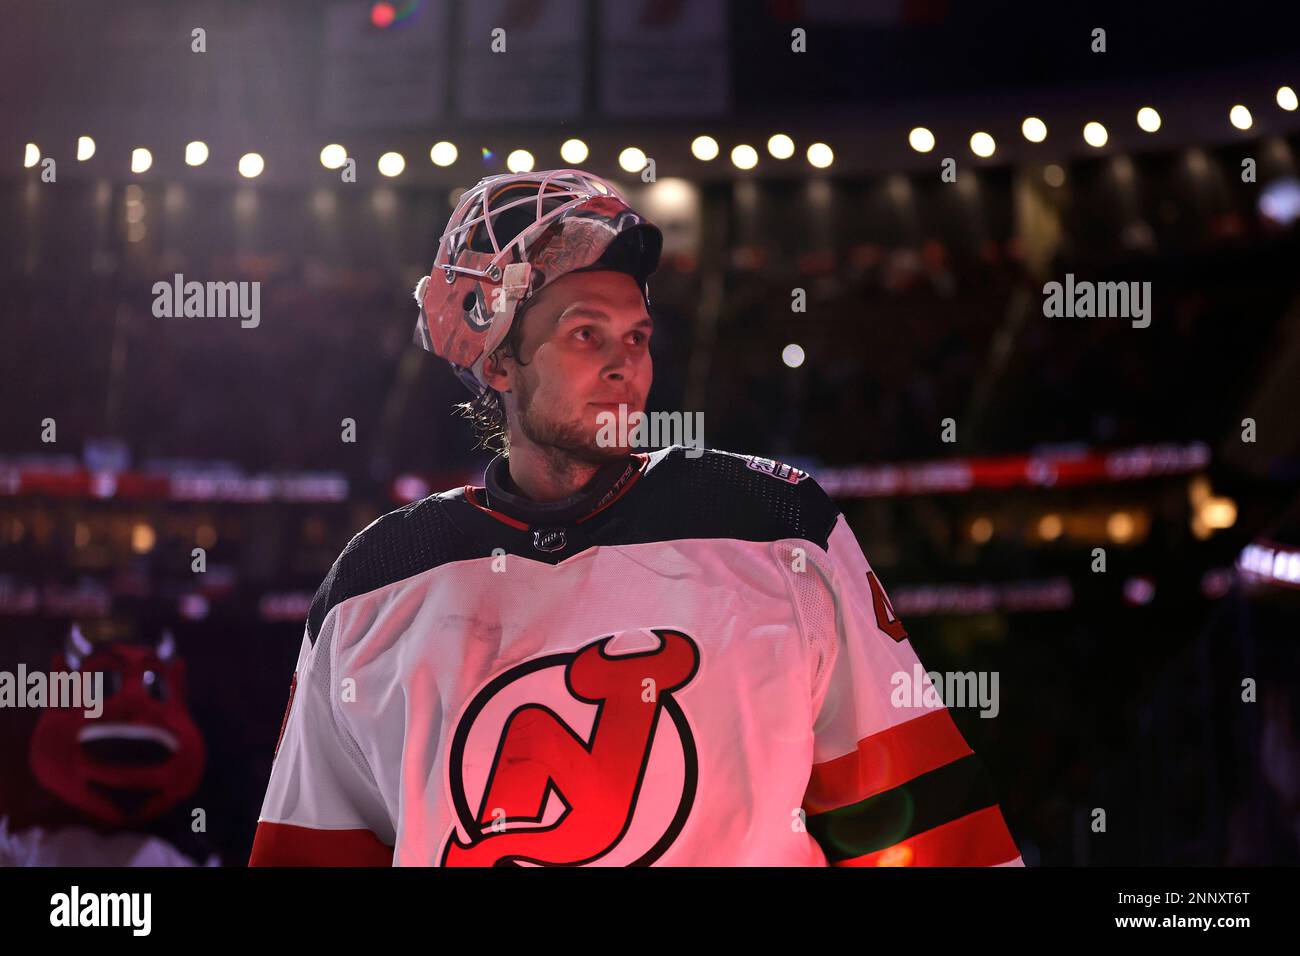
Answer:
(597, 454)
(583, 443)
(610, 431)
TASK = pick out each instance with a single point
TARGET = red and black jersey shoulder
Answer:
(678, 495)
(722, 494)
(400, 544)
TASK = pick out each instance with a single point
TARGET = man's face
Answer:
(586, 342)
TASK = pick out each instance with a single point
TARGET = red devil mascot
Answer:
(122, 766)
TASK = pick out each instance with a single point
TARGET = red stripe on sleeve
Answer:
(283, 844)
(885, 760)
(977, 839)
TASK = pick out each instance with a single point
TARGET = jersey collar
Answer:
(609, 483)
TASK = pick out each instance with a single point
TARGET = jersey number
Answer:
(886, 619)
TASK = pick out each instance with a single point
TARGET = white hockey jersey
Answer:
(687, 663)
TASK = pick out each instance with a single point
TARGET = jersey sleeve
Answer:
(893, 781)
(322, 805)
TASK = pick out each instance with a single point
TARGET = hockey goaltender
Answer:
(602, 655)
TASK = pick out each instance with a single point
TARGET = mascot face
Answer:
(142, 755)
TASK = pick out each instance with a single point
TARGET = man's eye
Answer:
(582, 331)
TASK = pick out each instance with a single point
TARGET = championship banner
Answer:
(521, 60)
(664, 59)
(376, 76)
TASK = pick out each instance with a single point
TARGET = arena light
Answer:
(1148, 119)
(744, 156)
(921, 139)
(520, 161)
(1139, 590)
(1121, 527)
(1050, 527)
(982, 145)
(632, 160)
(391, 164)
(333, 156)
(1218, 513)
(792, 355)
(671, 198)
(1054, 175)
(85, 148)
(1280, 201)
(1034, 129)
(443, 153)
(573, 151)
(982, 597)
(143, 537)
(1271, 562)
(1286, 98)
(1197, 162)
(1095, 135)
(31, 155)
(196, 153)
(704, 148)
(820, 155)
(251, 165)
(141, 159)
(780, 146)
(1240, 117)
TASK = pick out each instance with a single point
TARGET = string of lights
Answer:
(704, 147)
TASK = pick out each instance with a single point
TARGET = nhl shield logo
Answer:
(549, 539)
(576, 759)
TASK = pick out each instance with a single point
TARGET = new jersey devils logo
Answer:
(576, 758)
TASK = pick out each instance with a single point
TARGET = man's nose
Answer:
(617, 365)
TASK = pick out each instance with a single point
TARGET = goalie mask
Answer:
(508, 238)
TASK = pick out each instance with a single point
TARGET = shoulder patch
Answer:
(776, 469)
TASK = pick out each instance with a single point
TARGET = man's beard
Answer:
(573, 440)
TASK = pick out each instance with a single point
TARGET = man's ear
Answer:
(495, 371)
